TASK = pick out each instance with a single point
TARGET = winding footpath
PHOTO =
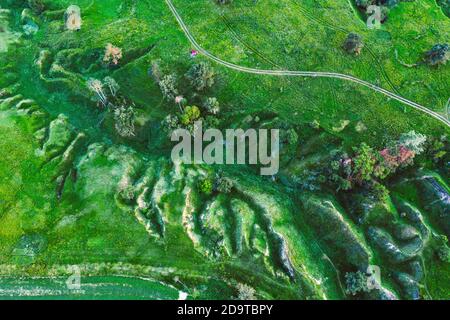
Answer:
(227, 64)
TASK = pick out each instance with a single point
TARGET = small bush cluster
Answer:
(106, 92)
(191, 101)
(438, 55)
(353, 44)
(37, 6)
(112, 55)
(356, 282)
(201, 76)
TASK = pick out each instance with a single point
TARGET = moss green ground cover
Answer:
(264, 234)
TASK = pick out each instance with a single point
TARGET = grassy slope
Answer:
(308, 36)
(103, 232)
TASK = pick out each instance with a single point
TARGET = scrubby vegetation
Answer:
(353, 44)
(438, 55)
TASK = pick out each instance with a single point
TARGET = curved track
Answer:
(292, 73)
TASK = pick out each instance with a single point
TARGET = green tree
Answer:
(353, 44)
(363, 3)
(206, 186)
(168, 86)
(170, 123)
(292, 137)
(245, 292)
(438, 149)
(380, 192)
(441, 248)
(364, 162)
(155, 71)
(37, 6)
(212, 105)
(112, 85)
(443, 253)
(124, 121)
(223, 184)
(191, 113)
